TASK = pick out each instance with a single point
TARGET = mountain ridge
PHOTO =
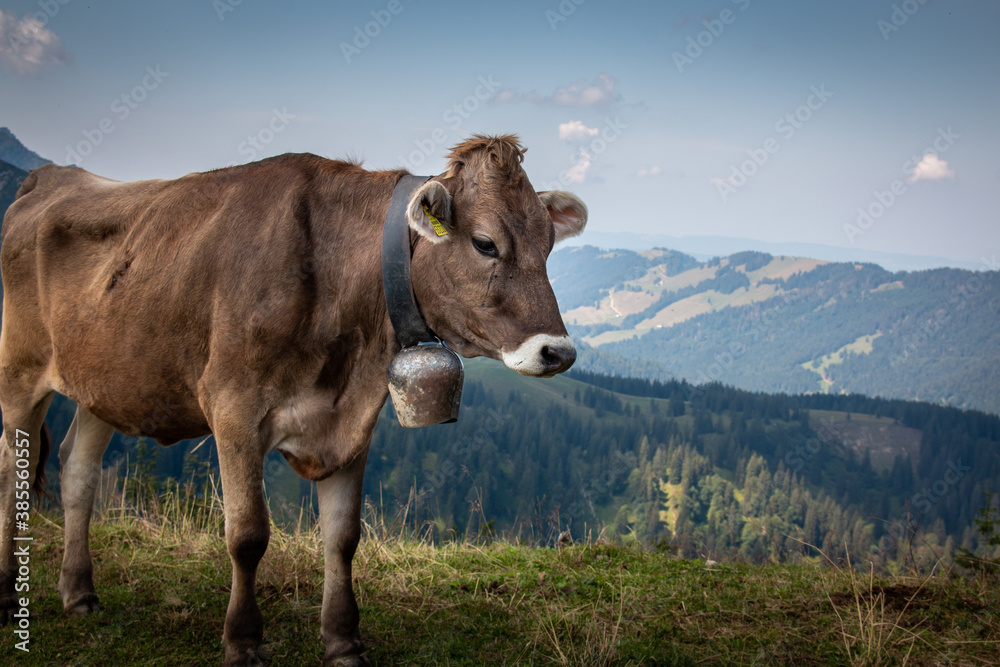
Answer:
(13, 152)
(706, 247)
(785, 324)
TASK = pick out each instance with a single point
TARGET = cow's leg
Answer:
(22, 421)
(340, 521)
(80, 460)
(241, 465)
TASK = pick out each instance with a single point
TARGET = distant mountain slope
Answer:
(10, 180)
(706, 247)
(787, 324)
(14, 152)
(582, 275)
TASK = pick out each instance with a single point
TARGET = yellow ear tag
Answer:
(435, 223)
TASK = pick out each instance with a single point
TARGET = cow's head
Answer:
(479, 261)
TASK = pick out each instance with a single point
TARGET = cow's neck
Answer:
(350, 299)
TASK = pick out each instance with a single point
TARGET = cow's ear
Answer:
(568, 213)
(429, 212)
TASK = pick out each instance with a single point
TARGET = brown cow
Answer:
(247, 302)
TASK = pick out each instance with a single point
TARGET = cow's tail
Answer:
(43, 456)
(28, 184)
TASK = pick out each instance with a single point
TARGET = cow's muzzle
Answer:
(542, 355)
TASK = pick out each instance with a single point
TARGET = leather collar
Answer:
(404, 313)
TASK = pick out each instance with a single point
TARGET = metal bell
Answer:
(425, 382)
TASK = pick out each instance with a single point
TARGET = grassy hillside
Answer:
(785, 324)
(162, 572)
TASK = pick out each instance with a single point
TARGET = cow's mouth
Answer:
(468, 344)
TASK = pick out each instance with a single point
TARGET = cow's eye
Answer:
(486, 247)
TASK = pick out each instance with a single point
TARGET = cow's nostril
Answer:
(558, 359)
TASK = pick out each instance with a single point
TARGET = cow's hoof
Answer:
(82, 606)
(246, 657)
(348, 661)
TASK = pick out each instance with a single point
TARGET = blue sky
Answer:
(868, 125)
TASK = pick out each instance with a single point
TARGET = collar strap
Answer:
(404, 313)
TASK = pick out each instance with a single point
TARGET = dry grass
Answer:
(872, 635)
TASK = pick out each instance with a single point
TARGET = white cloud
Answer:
(648, 171)
(575, 130)
(580, 93)
(931, 168)
(578, 172)
(26, 46)
(505, 95)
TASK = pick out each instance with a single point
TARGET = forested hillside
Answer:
(786, 324)
(710, 471)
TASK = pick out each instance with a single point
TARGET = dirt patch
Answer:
(896, 598)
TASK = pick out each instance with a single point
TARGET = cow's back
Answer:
(133, 280)
(63, 226)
